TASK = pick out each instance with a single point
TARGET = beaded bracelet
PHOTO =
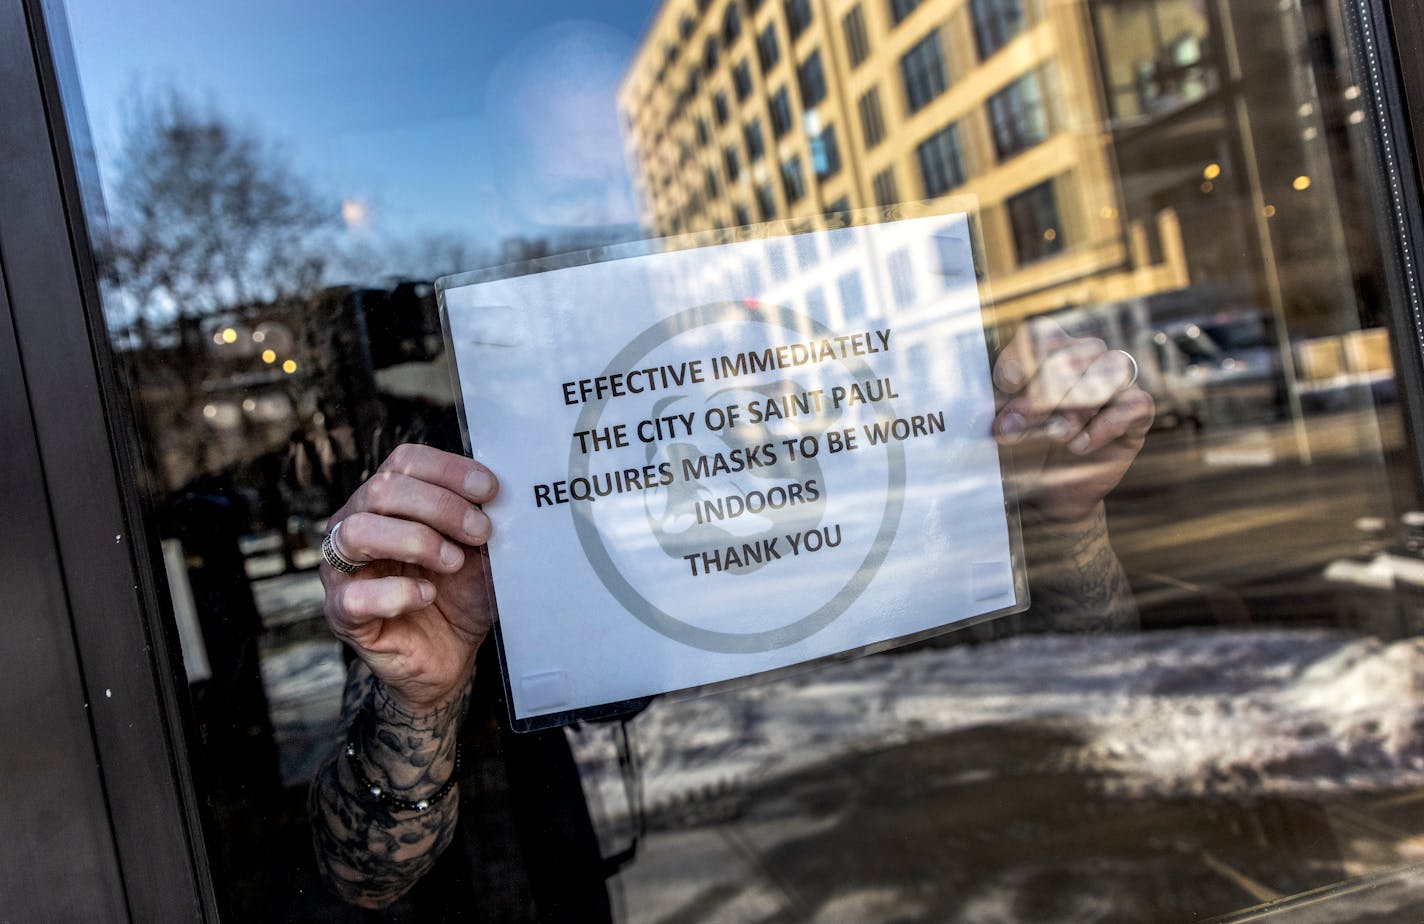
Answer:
(379, 791)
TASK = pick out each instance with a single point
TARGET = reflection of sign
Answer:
(722, 461)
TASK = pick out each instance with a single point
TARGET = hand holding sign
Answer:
(419, 611)
(1072, 410)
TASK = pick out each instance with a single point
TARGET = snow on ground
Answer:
(1163, 713)
(303, 683)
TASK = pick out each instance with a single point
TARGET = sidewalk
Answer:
(1171, 777)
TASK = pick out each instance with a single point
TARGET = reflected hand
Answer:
(419, 611)
(1074, 415)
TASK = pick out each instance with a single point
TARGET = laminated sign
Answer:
(721, 461)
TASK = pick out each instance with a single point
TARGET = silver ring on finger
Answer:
(1132, 359)
(331, 551)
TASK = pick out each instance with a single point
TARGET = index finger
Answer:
(1018, 363)
(457, 473)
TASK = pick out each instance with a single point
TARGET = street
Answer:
(1236, 510)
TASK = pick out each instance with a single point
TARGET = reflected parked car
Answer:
(1232, 363)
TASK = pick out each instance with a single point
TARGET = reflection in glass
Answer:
(1187, 180)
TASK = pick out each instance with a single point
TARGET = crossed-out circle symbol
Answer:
(659, 619)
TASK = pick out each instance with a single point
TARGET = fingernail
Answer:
(1056, 428)
(478, 483)
(1011, 372)
(476, 525)
(1012, 426)
(450, 554)
(427, 592)
(1080, 443)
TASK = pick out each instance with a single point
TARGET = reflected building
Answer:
(744, 111)
(1236, 117)
(1239, 119)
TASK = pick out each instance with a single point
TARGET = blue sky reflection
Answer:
(476, 121)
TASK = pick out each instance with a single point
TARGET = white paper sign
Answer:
(722, 461)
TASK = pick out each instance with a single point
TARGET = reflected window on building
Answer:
(754, 277)
(1034, 221)
(755, 141)
(899, 9)
(703, 133)
(816, 302)
(922, 69)
(709, 182)
(811, 77)
(1154, 56)
(872, 120)
(808, 254)
(798, 16)
(1176, 78)
(950, 244)
(741, 214)
(941, 165)
(995, 23)
(776, 259)
(766, 201)
(825, 153)
(793, 181)
(839, 210)
(742, 79)
(902, 277)
(886, 192)
(733, 162)
(709, 55)
(780, 107)
(857, 39)
(720, 109)
(852, 292)
(731, 24)
(768, 49)
(1017, 116)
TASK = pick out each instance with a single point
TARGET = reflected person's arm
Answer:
(415, 615)
(369, 852)
(1075, 419)
(1077, 583)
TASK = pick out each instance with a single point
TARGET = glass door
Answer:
(1211, 705)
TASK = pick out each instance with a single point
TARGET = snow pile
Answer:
(1166, 713)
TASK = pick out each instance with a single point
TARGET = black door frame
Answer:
(1390, 34)
(103, 552)
(88, 560)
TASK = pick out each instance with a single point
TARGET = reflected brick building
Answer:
(742, 111)
(1104, 141)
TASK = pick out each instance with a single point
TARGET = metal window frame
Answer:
(1397, 94)
(105, 555)
(88, 561)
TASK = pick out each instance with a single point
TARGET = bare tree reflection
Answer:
(207, 216)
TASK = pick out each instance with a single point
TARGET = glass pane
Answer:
(1191, 182)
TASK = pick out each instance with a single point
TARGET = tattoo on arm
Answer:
(1077, 582)
(369, 853)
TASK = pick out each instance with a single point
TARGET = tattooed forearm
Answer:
(369, 852)
(1077, 583)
